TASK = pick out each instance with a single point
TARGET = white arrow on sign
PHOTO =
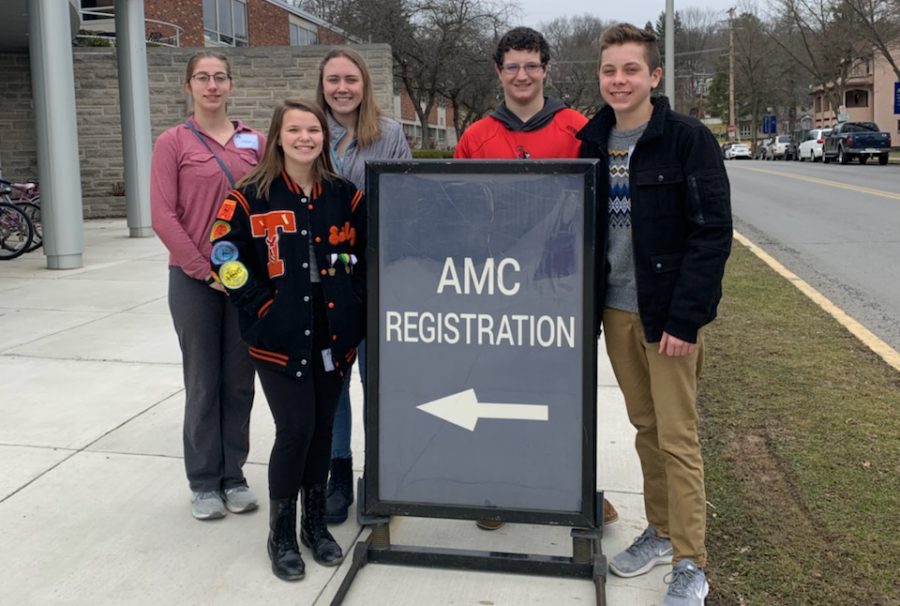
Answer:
(464, 409)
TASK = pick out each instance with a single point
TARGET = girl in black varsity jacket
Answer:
(288, 247)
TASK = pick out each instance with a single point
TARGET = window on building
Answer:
(303, 35)
(856, 98)
(225, 22)
(744, 131)
(817, 104)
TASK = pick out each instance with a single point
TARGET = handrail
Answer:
(153, 36)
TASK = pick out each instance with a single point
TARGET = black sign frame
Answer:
(590, 514)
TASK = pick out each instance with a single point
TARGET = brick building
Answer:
(221, 23)
(440, 122)
(258, 23)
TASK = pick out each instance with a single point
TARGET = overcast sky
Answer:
(638, 12)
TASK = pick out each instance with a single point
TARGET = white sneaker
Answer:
(240, 499)
(207, 505)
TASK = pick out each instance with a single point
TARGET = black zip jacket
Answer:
(261, 255)
(680, 218)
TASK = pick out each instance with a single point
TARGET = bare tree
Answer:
(754, 71)
(574, 48)
(470, 84)
(698, 44)
(427, 39)
(699, 40)
(820, 36)
(880, 20)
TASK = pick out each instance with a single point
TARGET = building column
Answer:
(53, 85)
(134, 101)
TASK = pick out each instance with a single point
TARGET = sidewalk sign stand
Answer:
(482, 360)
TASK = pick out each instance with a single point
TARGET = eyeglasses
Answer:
(530, 68)
(203, 78)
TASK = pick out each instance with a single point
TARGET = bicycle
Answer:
(16, 231)
(29, 200)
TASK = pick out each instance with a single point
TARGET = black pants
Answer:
(304, 414)
(218, 384)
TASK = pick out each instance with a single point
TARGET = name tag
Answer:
(246, 141)
(326, 360)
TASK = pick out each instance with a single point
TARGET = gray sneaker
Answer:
(240, 499)
(687, 585)
(647, 551)
(207, 505)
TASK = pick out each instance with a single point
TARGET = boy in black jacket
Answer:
(669, 234)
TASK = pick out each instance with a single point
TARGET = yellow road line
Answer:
(882, 349)
(856, 188)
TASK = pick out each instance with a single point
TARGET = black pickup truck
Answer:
(860, 140)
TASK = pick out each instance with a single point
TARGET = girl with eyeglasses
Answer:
(194, 166)
(359, 133)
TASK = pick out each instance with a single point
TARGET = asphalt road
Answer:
(837, 227)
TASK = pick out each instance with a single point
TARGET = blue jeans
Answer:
(343, 418)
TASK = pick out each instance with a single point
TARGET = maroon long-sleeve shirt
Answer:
(187, 186)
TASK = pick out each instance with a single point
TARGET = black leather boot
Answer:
(339, 496)
(287, 564)
(313, 531)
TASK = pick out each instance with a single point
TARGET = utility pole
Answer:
(670, 52)
(732, 122)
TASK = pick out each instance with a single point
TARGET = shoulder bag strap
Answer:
(203, 140)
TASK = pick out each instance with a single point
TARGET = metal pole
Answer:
(53, 84)
(670, 52)
(732, 123)
(134, 101)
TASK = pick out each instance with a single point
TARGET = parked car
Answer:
(860, 140)
(811, 148)
(733, 151)
(777, 149)
(761, 149)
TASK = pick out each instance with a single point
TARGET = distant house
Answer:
(868, 95)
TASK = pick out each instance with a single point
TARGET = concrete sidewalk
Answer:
(94, 505)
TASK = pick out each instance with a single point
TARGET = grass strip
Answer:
(801, 438)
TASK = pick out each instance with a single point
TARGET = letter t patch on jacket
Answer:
(269, 225)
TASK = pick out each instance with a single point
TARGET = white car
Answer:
(811, 148)
(737, 150)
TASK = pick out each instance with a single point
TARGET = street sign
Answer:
(897, 97)
(770, 124)
(481, 392)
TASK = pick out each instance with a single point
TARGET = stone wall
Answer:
(18, 153)
(263, 76)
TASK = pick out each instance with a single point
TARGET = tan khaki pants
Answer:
(660, 396)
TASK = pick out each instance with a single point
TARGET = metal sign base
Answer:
(587, 560)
